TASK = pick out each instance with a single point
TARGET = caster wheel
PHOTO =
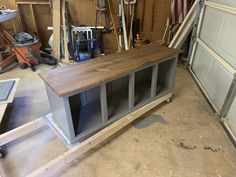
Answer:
(23, 65)
(2, 153)
(169, 100)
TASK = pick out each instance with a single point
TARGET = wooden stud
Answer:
(21, 131)
(153, 15)
(33, 3)
(18, 21)
(65, 28)
(143, 2)
(33, 17)
(114, 25)
(56, 28)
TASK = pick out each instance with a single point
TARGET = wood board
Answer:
(73, 79)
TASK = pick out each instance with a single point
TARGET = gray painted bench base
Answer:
(79, 116)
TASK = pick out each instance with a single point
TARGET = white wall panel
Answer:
(217, 32)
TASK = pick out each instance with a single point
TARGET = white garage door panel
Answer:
(211, 26)
(201, 64)
(213, 59)
(215, 79)
(225, 2)
(232, 117)
(218, 83)
(217, 29)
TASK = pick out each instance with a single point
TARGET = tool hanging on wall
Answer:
(120, 28)
(102, 8)
(124, 25)
(114, 26)
(131, 10)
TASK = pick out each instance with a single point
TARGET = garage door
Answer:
(213, 59)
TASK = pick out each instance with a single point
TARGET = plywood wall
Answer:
(8, 25)
(155, 17)
(152, 14)
(43, 16)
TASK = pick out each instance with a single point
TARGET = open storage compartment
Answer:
(85, 110)
(117, 96)
(143, 79)
(165, 79)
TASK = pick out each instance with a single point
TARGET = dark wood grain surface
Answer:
(72, 79)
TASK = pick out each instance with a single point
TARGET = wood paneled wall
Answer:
(152, 14)
(11, 4)
(43, 16)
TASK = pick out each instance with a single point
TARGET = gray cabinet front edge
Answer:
(61, 114)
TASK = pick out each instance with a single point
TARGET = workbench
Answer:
(88, 96)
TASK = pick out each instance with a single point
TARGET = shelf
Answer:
(86, 106)
(117, 96)
(143, 85)
(85, 110)
(165, 76)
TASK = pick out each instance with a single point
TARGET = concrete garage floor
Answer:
(180, 139)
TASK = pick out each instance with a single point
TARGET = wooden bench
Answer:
(88, 96)
(146, 76)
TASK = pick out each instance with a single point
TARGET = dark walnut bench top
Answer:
(72, 79)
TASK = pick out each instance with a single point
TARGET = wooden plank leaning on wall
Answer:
(56, 28)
